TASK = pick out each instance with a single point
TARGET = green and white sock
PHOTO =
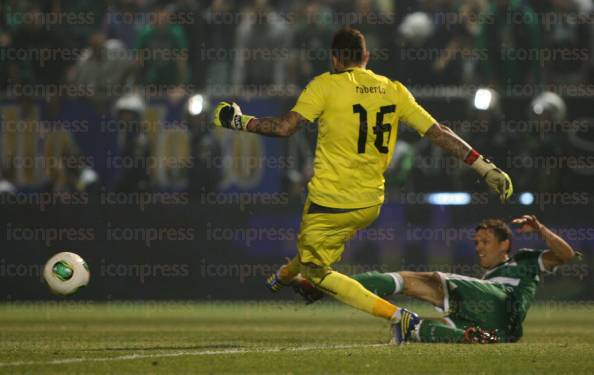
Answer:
(398, 282)
(381, 284)
(436, 331)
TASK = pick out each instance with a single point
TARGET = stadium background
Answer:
(106, 149)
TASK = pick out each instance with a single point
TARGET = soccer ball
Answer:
(65, 273)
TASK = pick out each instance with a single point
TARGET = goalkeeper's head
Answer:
(349, 49)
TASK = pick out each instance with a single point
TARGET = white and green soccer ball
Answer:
(65, 273)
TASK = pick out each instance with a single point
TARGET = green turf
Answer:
(270, 338)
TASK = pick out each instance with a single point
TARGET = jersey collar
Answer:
(491, 270)
(357, 68)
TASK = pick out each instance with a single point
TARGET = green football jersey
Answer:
(520, 275)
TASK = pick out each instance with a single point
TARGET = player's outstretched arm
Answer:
(498, 180)
(559, 250)
(445, 138)
(283, 126)
(228, 115)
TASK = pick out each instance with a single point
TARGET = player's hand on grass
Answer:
(300, 286)
(476, 335)
(527, 223)
(273, 283)
(228, 115)
(496, 179)
(276, 282)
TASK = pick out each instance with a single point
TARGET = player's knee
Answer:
(436, 276)
(437, 286)
(436, 280)
(425, 284)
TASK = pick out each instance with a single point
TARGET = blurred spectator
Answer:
(12, 12)
(457, 62)
(420, 41)
(580, 144)
(77, 19)
(547, 112)
(490, 133)
(423, 56)
(28, 43)
(261, 46)
(189, 15)
(205, 148)
(567, 42)
(300, 162)
(16, 127)
(585, 7)
(66, 169)
(133, 144)
(6, 187)
(5, 42)
(211, 44)
(310, 43)
(218, 40)
(510, 36)
(124, 19)
(102, 66)
(172, 155)
(162, 50)
(398, 173)
(415, 35)
(373, 18)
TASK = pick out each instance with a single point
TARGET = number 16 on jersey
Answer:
(379, 129)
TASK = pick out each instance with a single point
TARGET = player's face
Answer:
(490, 250)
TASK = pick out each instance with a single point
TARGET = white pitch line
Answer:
(185, 353)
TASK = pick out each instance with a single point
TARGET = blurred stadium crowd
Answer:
(222, 42)
(122, 55)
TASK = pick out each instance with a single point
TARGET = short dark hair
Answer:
(349, 46)
(499, 228)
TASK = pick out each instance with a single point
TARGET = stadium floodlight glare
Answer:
(549, 106)
(449, 199)
(483, 99)
(196, 105)
(526, 198)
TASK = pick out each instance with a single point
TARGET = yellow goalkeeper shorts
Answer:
(325, 231)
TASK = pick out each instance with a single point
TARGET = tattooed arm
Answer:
(497, 180)
(283, 126)
(445, 138)
(228, 115)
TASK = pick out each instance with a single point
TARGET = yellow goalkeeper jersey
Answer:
(359, 112)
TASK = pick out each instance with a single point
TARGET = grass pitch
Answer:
(176, 338)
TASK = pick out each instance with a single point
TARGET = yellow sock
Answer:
(352, 293)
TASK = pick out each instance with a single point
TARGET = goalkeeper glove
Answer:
(274, 283)
(228, 115)
(498, 180)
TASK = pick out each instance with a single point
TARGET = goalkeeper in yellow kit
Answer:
(358, 114)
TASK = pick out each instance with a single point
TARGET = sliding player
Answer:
(358, 114)
(485, 310)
